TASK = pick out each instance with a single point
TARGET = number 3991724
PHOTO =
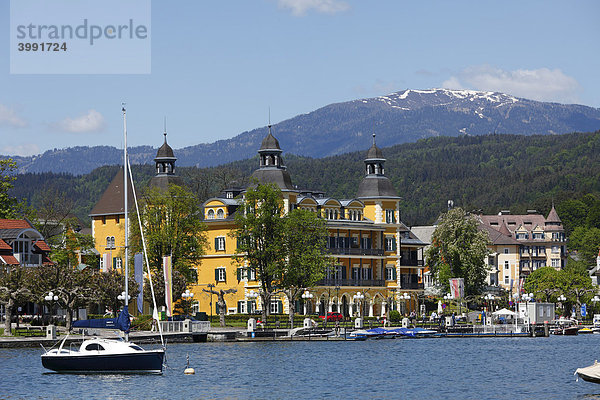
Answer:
(43, 46)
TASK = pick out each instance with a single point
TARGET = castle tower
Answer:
(272, 169)
(165, 167)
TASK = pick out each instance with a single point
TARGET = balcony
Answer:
(411, 263)
(412, 285)
(410, 281)
(351, 282)
(355, 252)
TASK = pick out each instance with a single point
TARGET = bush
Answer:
(394, 316)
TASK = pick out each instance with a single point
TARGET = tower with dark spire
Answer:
(375, 184)
(165, 166)
(272, 168)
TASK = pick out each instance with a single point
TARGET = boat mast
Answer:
(126, 300)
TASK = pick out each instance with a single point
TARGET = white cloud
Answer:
(24, 150)
(8, 116)
(299, 8)
(93, 121)
(541, 84)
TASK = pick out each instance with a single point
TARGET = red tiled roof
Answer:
(4, 245)
(10, 260)
(14, 224)
(40, 244)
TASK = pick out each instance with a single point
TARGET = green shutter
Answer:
(224, 275)
(239, 274)
(394, 245)
(239, 307)
(394, 274)
(279, 306)
(249, 307)
(216, 244)
(216, 274)
(224, 244)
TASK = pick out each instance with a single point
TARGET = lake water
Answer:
(451, 368)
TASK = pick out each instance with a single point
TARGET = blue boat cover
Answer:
(121, 322)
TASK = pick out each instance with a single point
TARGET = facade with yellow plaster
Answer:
(374, 252)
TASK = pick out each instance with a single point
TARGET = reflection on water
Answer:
(502, 368)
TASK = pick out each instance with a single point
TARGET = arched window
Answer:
(211, 214)
(220, 214)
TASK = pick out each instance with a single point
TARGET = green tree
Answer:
(73, 287)
(458, 250)
(109, 285)
(305, 240)
(544, 283)
(260, 238)
(172, 226)
(586, 241)
(15, 284)
(10, 207)
(576, 284)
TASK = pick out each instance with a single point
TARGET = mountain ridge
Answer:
(396, 118)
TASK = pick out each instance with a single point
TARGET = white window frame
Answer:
(222, 274)
(389, 273)
(210, 214)
(274, 307)
(220, 214)
(555, 262)
(506, 280)
(220, 243)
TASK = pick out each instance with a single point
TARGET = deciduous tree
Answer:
(15, 284)
(172, 226)
(259, 235)
(458, 250)
(305, 239)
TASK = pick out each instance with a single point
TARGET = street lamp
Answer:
(51, 297)
(122, 296)
(306, 296)
(562, 299)
(358, 297)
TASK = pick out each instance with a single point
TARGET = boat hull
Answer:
(150, 361)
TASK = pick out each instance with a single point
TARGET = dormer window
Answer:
(210, 214)
(220, 214)
(229, 195)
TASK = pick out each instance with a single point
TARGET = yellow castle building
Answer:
(375, 254)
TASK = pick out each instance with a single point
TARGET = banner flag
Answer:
(138, 265)
(457, 288)
(167, 269)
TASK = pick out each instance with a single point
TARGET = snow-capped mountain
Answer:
(400, 117)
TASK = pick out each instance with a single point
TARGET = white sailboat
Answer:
(100, 355)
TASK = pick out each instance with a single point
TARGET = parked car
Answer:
(332, 316)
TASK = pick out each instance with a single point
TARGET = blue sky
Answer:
(217, 66)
